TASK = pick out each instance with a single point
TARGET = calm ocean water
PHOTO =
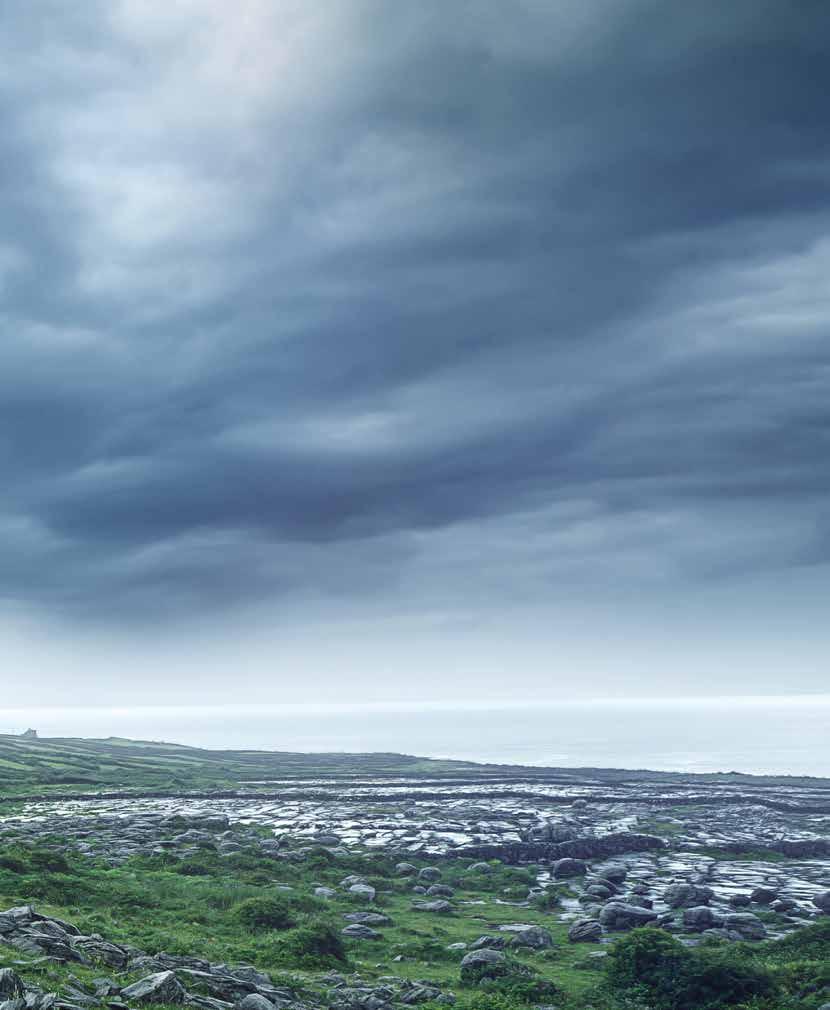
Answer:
(785, 735)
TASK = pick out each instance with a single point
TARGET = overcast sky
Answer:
(364, 349)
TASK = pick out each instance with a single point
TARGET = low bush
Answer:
(651, 966)
(257, 914)
(313, 946)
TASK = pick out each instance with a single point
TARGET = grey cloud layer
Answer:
(357, 300)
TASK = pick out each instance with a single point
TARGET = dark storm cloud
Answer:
(289, 299)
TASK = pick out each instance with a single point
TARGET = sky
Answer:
(363, 351)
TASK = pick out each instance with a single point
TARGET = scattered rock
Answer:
(822, 901)
(585, 931)
(486, 963)
(440, 906)
(534, 936)
(618, 915)
(358, 931)
(700, 917)
(687, 895)
(568, 867)
(162, 987)
(364, 891)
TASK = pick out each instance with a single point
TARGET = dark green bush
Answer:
(193, 868)
(315, 945)
(648, 960)
(265, 913)
(650, 964)
(545, 901)
(33, 860)
(721, 977)
(486, 974)
(12, 862)
(523, 991)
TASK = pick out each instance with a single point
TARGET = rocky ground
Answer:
(695, 863)
(736, 845)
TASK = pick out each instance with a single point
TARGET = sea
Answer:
(781, 735)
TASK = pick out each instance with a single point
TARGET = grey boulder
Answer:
(364, 891)
(822, 901)
(748, 925)
(486, 962)
(162, 987)
(687, 895)
(358, 931)
(619, 915)
(569, 867)
(254, 1001)
(440, 906)
(534, 936)
(700, 917)
(585, 931)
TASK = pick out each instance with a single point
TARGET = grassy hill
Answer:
(66, 765)
(60, 765)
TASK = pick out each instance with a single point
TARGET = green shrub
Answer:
(193, 868)
(315, 945)
(14, 863)
(723, 976)
(650, 965)
(545, 901)
(486, 974)
(258, 914)
(34, 860)
(521, 991)
(648, 961)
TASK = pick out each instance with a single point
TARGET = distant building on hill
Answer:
(30, 734)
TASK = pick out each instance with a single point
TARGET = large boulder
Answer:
(38, 944)
(429, 873)
(569, 867)
(439, 905)
(749, 926)
(440, 891)
(254, 1001)
(359, 931)
(619, 915)
(615, 872)
(822, 901)
(95, 948)
(326, 839)
(484, 963)
(740, 900)
(11, 987)
(687, 895)
(163, 987)
(363, 891)
(353, 878)
(700, 917)
(488, 941)
(585, 931)
(763, 896)
(229, 988)
(534, 936)
(405, 869)
(368, 918)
